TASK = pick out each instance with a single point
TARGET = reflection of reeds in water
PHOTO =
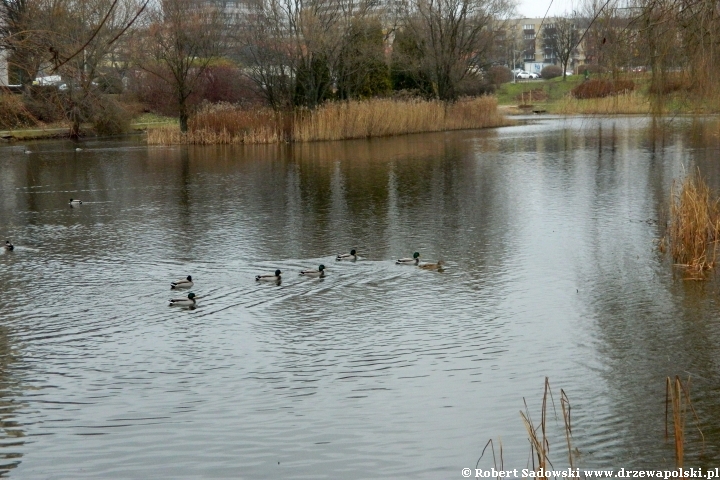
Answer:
(228, 124)
(694, 226)
(677, 395)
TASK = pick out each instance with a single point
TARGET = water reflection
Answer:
(547, 231)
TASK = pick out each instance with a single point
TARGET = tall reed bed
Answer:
(694, 226)
(628, 103)
(227, 124)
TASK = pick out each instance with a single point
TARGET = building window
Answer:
(529, 26)
(529, 36)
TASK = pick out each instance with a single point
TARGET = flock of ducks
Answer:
(191, 299)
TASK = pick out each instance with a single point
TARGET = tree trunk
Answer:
(75, 123)
(183, 117)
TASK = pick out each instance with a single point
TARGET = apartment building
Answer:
(527, 43)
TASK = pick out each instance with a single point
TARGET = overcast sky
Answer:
(537, 8)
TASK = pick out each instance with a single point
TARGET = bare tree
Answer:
(181, 40)
(299, 51)
(561, 36)
(455, 37)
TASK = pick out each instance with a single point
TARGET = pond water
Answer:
(548, 232)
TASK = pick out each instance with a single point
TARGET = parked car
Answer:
(527, 75)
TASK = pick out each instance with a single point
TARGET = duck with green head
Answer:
(269, 278)
(190, 301)
(409, 261)
(312, 273)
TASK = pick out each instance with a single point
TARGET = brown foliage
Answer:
(670, 84)
(14, 112)
(602, 88)
(218, 84)
(551, 71)
(498, 75)
(591, 68)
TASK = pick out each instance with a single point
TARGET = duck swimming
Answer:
(75, 202)
(269, 278)
(190, 301)
(319, 273)
(409, 261)
(8, 245)
(352, 256)
(431, 266)
(182, 283)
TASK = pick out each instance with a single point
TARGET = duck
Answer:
(431, 266)
(352, 256)
(78, 149)
(319, 273)
(415, 260)
(27, 152)
(75, 202)
(269, 278)
(8, 245)
(190, 301)
(186, 282)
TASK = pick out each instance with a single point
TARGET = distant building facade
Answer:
(524, 44)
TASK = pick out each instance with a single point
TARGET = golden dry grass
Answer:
(694, 227)
(629, 103)
(226, 124)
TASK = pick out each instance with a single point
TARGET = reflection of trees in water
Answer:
(12, 436)
(649, 324)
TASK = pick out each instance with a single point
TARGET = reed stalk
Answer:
(677, 395)
(229, 124)
(694, 226)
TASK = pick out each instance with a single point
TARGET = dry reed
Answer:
(227, 124)
(539, 443)
(629, 103)
(677, 395)
(694, 226)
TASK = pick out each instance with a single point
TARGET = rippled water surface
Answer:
(548, 235)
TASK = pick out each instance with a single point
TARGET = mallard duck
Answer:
(182, 283)
(269, 278)
(319, 273)
(8, 245)
(431, 266)
(75, 202)
(409, 261)
(347, 256)
(190, 301)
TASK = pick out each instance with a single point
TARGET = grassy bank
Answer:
(227, 124)
(679, 96)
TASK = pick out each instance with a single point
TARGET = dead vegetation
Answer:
(228, 124)
(694, 226)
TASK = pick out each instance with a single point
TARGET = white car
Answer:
(527, 75)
